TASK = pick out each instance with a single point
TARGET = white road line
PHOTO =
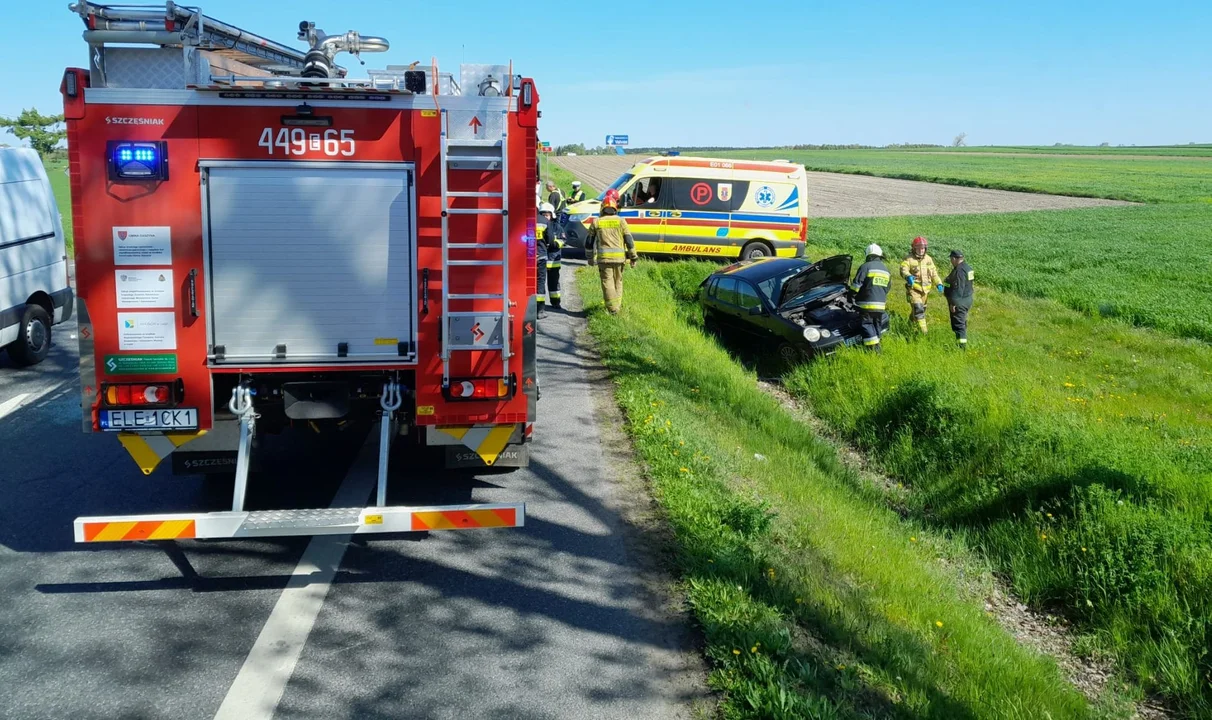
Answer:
(258, 687)
(17, 402)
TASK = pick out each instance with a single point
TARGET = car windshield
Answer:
(623, 180)
(772, 286)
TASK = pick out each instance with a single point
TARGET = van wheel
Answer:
(33, 339)
(755, 250)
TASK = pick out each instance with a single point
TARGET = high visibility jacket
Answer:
(609, 241)
(547, 244)
(556, 198)
(925, 277)
(576, 196)
(870, 285)
(958, 286)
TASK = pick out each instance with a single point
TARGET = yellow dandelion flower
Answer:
(735, 651)
(1043, 536)
(753, 649)
(1083, 549)
(1049, 514)
(1069, 385)
(912, 539)
(938, 623)
(799, 601)
(841, 667)
(681, 442)
(683, 469)
(668, 423)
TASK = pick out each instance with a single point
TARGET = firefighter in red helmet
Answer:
(920, 274)
(610, 246)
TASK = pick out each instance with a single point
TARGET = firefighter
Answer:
(957, 288)
(870, 287)
(920, 274)
(545, 244)
(555, 197)
(609, 245)
(577, 195)
(553, 251)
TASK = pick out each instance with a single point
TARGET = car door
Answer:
(748, 300)
(726, 304)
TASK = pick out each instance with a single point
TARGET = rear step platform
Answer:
(241, 523)
(280, 523)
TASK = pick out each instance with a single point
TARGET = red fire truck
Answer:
(264, 242)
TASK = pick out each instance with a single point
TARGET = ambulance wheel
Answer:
(756, 250)
(34, 337)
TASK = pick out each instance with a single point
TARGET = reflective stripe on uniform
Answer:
(552, 265)
(611, 251)
(871, 341)
(872, 306)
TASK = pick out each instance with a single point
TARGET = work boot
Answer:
(542, 312)
(555, 303)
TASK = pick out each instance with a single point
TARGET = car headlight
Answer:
(811, 334)
(825, 333)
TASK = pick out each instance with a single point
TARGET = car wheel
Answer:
(790, 354)
(710, 325)
(34, 337)
(756, 250)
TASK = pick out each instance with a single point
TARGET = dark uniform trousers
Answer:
(959, 322)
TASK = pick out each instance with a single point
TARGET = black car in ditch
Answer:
(798, 307)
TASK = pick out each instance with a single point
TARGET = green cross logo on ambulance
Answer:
(707, 206)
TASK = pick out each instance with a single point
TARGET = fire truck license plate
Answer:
(176, 419)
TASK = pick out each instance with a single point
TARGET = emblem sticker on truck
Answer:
(297, 141)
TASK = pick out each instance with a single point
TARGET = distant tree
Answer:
(576, 148)
(1105, 144)
(960, 140)
(43, 131)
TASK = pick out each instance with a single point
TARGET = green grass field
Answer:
(1161, 179)
(814, 599)
(1199, 150)
(564, 179)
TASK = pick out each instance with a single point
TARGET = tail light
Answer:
(138, 394)
(496, 388)
(803, 228)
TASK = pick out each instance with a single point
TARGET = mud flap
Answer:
(515, 455)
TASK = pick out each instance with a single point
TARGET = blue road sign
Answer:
(616, 139)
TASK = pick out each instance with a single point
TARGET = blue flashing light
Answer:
(138, 160)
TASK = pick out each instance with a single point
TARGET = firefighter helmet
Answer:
(919, 242)
(547, 208)
(874, 249)
(576, 183)
(611, 198)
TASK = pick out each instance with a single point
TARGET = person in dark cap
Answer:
(957, 288)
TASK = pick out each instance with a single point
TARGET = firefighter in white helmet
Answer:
(548, 254)
(870, 287)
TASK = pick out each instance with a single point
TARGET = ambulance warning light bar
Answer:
(282, 523)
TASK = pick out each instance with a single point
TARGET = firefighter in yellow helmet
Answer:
(609, 245)
(920, 274)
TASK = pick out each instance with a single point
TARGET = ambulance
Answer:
(707, 206)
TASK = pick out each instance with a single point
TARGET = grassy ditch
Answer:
(815, 600)
(56, 170)
(563, 179)
(1075, 453)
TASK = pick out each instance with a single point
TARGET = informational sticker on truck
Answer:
(147, 331)
(144, 288)
(172, 419)
(158, 364)
(143, 245)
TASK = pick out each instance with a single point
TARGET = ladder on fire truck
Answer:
(459, 153)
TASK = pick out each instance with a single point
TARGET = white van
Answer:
(34, 290)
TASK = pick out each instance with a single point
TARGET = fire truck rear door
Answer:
(310, 262)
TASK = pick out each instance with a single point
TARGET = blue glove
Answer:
(909, 280)
(940, 288)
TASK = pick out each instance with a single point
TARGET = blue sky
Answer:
(761, 73)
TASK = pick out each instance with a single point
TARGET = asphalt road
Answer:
(555, 620)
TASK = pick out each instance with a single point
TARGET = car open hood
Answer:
(830, 271)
